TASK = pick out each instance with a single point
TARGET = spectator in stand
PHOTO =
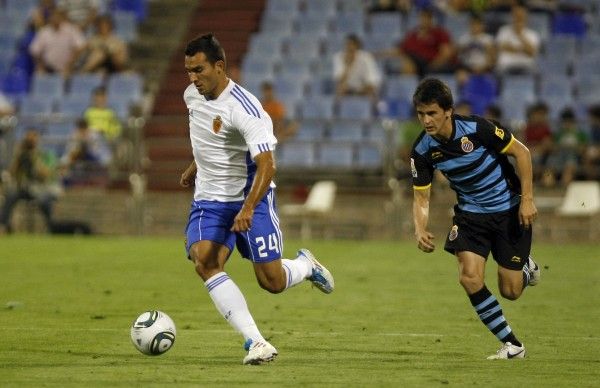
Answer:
(427, 48)
(517, 45)
(32, 176)
(40, 14)
(591, 161)
(570, 142)
(538, 137)
(283, 128)
(57, 46)
(83, 13)
(107, 53)
(355, 71)
(86, 156)
(101, 118)
(476, 50)
(463, 108)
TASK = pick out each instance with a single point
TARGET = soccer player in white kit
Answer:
(234, 202)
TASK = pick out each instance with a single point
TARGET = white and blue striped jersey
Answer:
(226, 134)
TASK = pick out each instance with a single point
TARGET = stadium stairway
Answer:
(166, 135)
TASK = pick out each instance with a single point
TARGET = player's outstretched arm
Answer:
(421, 218)
(189, 176)
(265, 171)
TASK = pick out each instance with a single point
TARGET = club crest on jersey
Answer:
(217, 124)
(453, 233)
(465, 144)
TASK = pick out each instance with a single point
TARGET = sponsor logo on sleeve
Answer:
(500, 133)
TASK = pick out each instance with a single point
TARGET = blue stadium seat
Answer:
(59, 129)
(540, 22)
(32, 105)
(401, 86)
(346, 130)
(386, 23)
(83, 84)
(48, 85)
(377, 41)
(294, 154)
(457, 24)
(314, 26)
(590, 44)
(349, 23)
(72, 106)
(351, 5)
(125, 25)
(563, 46)
(289, 85)
(554, 65)
(258, 67)
(316, 108)
(291, 67)
(396, 108)
(355, 107)
(556, 85)
(292, 6)
(125, 85)
(336, 155)
(370, 156)
(121, 104)
(280, 27)
(262, 45)
(311, 130)
(303, 47)
(320, 7)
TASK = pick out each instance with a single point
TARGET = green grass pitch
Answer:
(397, 318)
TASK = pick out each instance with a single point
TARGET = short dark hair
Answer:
(207, 44)
(432, 90)
(355, 39)
(567, 114)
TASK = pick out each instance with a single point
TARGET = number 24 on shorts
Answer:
(273, 244)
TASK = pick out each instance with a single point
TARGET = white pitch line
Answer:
(307, 334)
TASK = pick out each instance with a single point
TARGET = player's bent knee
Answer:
(510, 293)
(471, 283)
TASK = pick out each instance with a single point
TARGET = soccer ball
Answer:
(153, 333)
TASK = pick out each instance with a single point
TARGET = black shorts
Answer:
(500, 233)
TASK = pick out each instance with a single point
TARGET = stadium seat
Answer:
(297, 67)
(36, 105)
(316, 108)
(311, 130)
(349, 23)
(72, 106)
(336, 155)
(346, 130)
(59, 129)
(378, 41)
(560, 47)
(319, 203)
(264, 45)
(316, 27)
(129, 85)
(303, 47)
(83, 84)
(354, 107)
(457, 24)
(48, 85)
(540, 22)
(289, 6)
(581, 202)
(296, 154)
(370, 156)
(15, 83)
(401, 86)
(327, 8)
(386, 23)
(125, 25)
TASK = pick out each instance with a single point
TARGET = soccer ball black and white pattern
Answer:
(153, 333)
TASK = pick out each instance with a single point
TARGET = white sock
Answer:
(231, 303)
(297, 270)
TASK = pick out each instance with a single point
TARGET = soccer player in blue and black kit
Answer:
(495, 208)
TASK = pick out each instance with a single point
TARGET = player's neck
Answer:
(219, 89)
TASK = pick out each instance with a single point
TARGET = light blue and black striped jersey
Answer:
(474, 163)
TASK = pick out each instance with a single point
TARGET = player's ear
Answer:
(220, 65)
